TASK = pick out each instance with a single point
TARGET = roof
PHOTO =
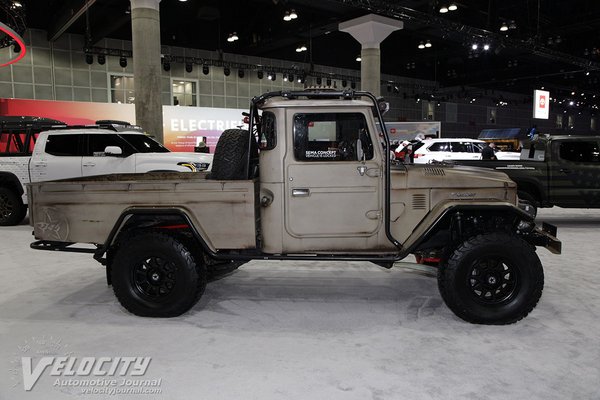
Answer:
(507, 133)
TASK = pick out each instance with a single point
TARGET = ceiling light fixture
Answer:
(443, 9)
(358, 59)
(428, 44)
(474, 46)
(293, 14)
(452, 7)
(421, 45)
(287, 16)
(232, 37)
(301, 48)
(486, 47)
(503, 27)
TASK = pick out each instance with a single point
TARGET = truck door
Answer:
(333, 178)
(96, 162)
(59, 157)
(573, 180)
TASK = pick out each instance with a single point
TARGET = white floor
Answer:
(284, 330)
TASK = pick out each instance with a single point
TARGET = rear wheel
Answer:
(493, 278)
(155, 275)
(12, 209)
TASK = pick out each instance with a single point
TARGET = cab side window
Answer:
(64, 145)
(98, 143)
(439, 146)
(582, 152)
(332, 137)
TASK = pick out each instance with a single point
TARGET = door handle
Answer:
(39, 165)
(300, 192)
(89, 164)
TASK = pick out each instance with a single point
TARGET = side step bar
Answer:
(59, 246)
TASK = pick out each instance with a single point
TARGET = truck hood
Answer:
(172, 161)
(436, 176)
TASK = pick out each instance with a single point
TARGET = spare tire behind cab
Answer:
(231, 155)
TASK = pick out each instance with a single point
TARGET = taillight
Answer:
(417, 155)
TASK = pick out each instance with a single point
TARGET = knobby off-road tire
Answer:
(494, 278)
(155, 275)
(231, 155)
(12, 209)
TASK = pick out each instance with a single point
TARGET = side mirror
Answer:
(113, 151)
(360, 153)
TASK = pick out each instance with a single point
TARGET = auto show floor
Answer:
(290, 330)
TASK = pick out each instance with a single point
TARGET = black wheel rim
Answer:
(154, 278)
(492, 281)
(6, 207)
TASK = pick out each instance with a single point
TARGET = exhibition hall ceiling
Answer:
(514, 45)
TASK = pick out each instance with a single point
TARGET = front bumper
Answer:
(545, 237)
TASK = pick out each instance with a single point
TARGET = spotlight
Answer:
(293, 14)
(226, 71)
(319, 80)
(189, 67)
(358, 59)
(486, 47)
(443, 9)
(123, 61)
(300, 79)
(285, 77)
(166, 65)
(287, 16)
(205, 69)
(101, 59)
(259, 74)
(240, 73)
(452, 7)
(328, 81)
(271, 76)
(89, 59)
(353, 85)
(16, 47)
(503, 27)
(344, 83)
(291, 78)
(421, 45)
(428, 44)
(474, 46)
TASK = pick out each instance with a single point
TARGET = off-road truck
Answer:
(309, 180)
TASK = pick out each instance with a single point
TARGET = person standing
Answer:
(488, 152)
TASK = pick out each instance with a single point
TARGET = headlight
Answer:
(201, 166)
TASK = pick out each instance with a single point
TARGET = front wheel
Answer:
(155, 275)
(493, 278)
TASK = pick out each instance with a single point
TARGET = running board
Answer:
(59, 246)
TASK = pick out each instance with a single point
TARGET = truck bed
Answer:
(85, 210)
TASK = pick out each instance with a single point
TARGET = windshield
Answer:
(144, 143)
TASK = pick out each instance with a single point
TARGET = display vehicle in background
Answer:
(449, 149)
(321, 187)
(36, 149)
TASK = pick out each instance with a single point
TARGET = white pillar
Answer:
(370, 30)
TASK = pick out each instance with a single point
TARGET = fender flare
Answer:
(153, 212)
(440, 221)
(9, 179)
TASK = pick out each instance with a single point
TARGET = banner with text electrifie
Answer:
(183, 127)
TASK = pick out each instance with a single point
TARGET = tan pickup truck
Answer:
(309, 180)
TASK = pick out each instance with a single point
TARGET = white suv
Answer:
(448, 149)
(64, 152)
